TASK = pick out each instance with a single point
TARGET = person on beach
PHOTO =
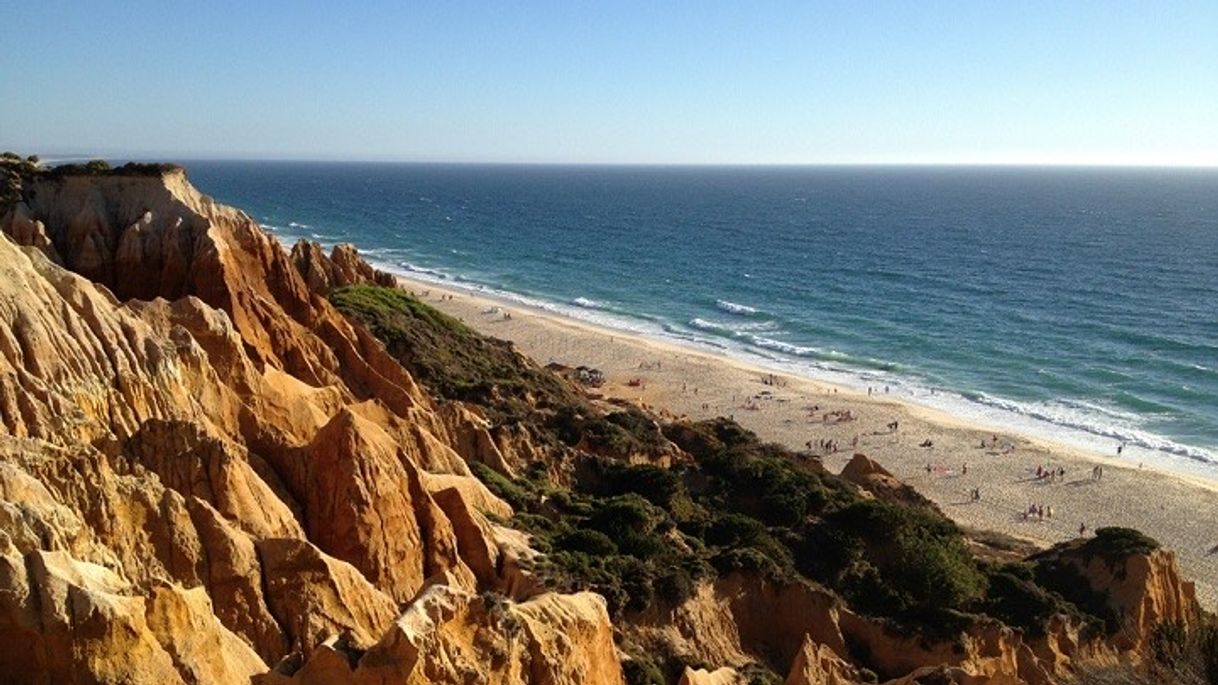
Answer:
(1082, 529)
(1120, 448)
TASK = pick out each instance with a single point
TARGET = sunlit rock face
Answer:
(207, 474)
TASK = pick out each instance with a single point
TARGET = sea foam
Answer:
(734, 308)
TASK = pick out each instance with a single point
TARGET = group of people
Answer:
(838, 416)
(827, 445)
(1050, 473)
(1038, 511)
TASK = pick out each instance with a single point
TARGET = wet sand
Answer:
(1179, 511)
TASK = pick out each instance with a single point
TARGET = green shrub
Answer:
(642, 671)
(586, 541)
(1063, 578)
(1114, 545)
(734, 530)
(1015, 599)
(502, 487)
(451, 359)
(624, 515)
(619, 433)
(757, 674)
(919, 556)
(747, 559)
(674, 586)
(657, 485)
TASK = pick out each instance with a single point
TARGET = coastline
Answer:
(1177, 509)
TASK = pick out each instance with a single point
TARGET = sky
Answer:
(669, 82)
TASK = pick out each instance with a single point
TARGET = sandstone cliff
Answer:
(208, 473)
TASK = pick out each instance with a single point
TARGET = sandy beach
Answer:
(1179, 511)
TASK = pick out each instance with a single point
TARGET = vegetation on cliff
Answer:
(447, 356)
(642, 534)
(455, 363)
(1179, 656)
(17, 172)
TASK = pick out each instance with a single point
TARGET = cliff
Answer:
(209, 473)
(224, 462)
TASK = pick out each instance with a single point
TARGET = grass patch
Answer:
(448, 357)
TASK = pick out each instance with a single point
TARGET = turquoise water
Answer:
(1077, 304)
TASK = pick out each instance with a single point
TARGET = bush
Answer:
(1063, 578)
(734, 530)
(587, 541)
(756, 674)
(448, 357)
(1180, 657)
(620, 433)
(1015, 599)
(1114, 545)
(674, 586)
(921, 557)
(623, 516)
(745, 559)
(501, 486)
(642, 671)
(657, 485)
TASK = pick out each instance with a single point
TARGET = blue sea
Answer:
(1079, 305)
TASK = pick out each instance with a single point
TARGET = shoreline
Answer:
(1071, 438)
(1177, 509)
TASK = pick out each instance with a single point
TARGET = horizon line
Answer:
(1079, 164)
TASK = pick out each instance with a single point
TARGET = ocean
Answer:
(1080, 305)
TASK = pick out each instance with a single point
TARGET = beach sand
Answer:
(1179, 511)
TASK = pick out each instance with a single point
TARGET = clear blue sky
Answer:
(646, 82)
